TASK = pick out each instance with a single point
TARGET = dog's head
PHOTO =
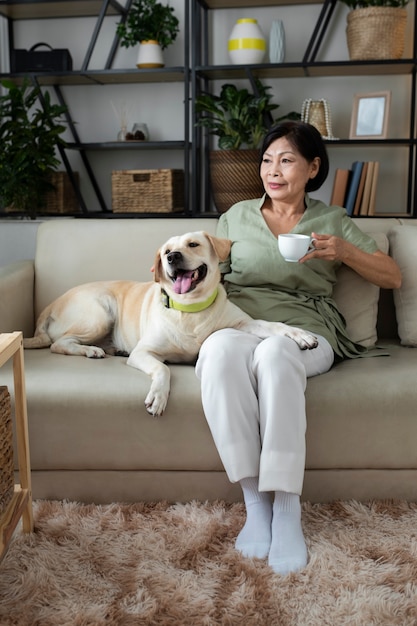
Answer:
(187, 266)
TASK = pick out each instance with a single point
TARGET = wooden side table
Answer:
(20, 506)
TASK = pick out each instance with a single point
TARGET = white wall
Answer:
(17, 240)
(160, 106)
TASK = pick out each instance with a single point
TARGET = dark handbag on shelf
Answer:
(34, 60)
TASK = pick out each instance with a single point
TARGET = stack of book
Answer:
(355, 188)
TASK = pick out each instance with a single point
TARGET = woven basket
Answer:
(147, 191)
(376, 33)
(62, 199)
(6, 451)
(234, 176)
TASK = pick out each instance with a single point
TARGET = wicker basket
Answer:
(147, 191)
(6, 451)
(234, 176)
(59, 201)
(376, 33)
(62, 199)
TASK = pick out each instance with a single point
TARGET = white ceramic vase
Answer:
(150, 55)
(277, 42)
(247, 44)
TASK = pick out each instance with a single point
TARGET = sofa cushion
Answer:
(403, 248)
(357, 300)
(89, 415)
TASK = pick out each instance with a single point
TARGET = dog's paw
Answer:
(94, 352)
(155, 403)
(304, 339)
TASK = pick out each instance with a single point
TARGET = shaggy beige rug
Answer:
(162, 564)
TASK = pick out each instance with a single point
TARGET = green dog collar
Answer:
(169, 303)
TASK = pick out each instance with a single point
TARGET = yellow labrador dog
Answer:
(154, 322)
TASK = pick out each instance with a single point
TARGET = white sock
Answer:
(254, 540)
(288, 551)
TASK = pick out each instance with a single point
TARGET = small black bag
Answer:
(33, 60)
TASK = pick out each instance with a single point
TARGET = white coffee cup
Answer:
(293, 247)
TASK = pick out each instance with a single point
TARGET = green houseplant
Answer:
(239, 119)
(376, 29)
(149, 21)
(28, 138)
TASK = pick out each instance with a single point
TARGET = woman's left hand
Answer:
(378, 268)
(328, 248)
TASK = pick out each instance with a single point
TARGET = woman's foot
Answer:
(288, 552)
(254, 540)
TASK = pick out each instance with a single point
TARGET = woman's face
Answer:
(285, 172)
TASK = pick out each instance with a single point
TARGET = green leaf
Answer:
(146, 20)
(236, 116)
(29, 135)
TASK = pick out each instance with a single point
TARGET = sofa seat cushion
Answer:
(89, 415)
(362, 413)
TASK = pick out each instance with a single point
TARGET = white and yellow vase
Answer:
(247, 44)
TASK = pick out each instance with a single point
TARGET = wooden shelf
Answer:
(303, 70)
(11, 347)
(104, 77)
(381, 143)
(30, 9)
(128, 145)
(15, 510)
(241, 4)
(222, 72)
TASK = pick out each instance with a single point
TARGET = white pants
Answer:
(253, 399)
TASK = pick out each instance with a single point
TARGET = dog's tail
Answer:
(41, 339)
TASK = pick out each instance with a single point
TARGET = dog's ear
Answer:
(157, 267)
(221, 246)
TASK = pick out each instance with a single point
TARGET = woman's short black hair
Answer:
(307, 140)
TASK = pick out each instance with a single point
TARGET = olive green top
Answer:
(262, 283)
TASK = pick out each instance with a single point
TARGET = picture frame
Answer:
(370, 115)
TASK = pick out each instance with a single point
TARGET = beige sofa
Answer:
(92, 440)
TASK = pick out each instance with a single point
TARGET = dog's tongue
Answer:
(183, 282)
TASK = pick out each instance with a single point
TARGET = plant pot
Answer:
(234, 176)
(150, 55)
(376, 33)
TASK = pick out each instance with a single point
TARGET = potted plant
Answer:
(28, 139)
(239, 119)
(376, 29)
(151, 24)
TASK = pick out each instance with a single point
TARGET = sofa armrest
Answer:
(16, 297)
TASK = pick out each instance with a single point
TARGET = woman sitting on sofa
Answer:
(253, 389)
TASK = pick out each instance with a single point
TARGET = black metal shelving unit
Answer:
(196, 75)
(34, 9)
(203, 73)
